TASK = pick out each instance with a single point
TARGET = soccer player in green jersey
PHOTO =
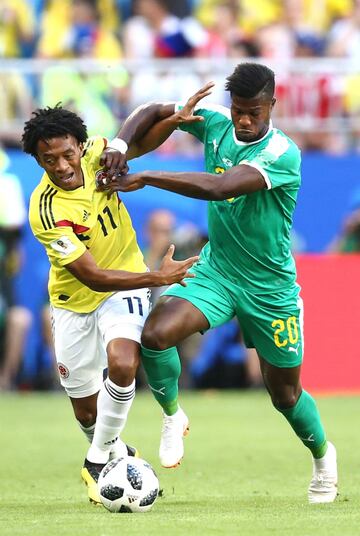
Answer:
(246, 269)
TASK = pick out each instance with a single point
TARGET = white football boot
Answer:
(171, 449)
(323, 485)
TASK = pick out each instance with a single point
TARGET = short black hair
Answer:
(250, 79)
(48, 123)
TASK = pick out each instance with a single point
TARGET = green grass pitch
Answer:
(244, 472)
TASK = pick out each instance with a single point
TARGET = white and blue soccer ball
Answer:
(128, 484)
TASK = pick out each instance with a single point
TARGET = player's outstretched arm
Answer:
(151, 124)
(146, 129)
(137, 126)
(124, 146)
(239, 180)
(161, 130)
(86, 270)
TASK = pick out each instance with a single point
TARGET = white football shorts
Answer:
(81, 339)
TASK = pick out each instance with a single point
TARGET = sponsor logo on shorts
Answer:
(63, 371)
(294, 349)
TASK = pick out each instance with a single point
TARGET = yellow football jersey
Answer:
(69, 222)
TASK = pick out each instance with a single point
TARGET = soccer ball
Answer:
(128, 484)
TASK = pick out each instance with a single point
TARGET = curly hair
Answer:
(251, 79)
(48, 123)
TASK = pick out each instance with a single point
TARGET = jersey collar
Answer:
(238, 142)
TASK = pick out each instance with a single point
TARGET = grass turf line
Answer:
(244, 471)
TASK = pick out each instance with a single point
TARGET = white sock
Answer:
(117, 450)
(113, 405)
(88, 431)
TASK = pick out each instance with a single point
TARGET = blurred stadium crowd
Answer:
(102, 58)
(313, 46)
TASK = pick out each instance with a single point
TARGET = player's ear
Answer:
(273, 102)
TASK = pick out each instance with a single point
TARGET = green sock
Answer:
(304, 419)
(163, 369)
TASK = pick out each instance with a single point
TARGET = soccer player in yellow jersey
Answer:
(98, 280)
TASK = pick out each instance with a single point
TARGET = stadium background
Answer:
(96, 66)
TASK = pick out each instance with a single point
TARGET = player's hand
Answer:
(172, 271)
(114, 162)
(186, 114)
(121, 183)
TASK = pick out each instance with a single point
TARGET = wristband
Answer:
(119, 145)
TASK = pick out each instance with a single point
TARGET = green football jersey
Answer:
(249, 236)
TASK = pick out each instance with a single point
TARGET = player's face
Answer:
(251, 117)
(61, 159)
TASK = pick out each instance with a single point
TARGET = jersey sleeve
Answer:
(278, 162)
(61, 244)
(211, 113)
(60, 241)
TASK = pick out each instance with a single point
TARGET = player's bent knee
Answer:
(122, 371)
(154, 338)
(284, 402)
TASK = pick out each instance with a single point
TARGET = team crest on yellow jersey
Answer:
(100, 177)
